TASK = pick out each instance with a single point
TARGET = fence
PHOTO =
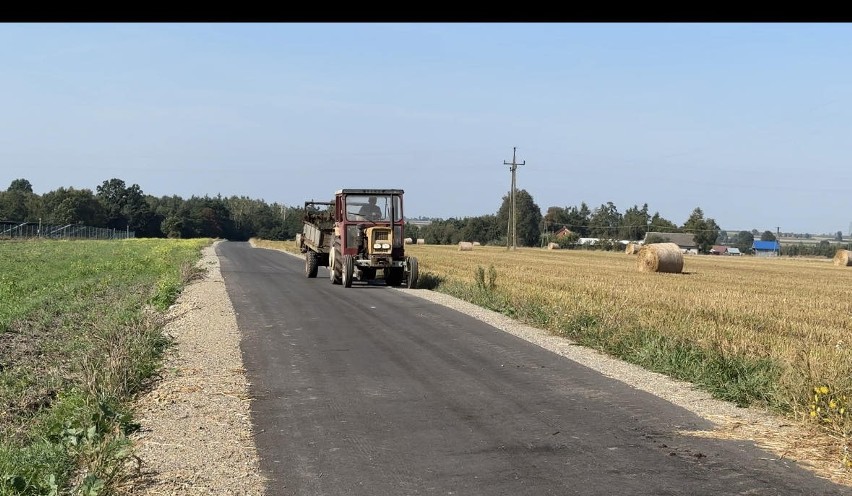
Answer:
(23, 230)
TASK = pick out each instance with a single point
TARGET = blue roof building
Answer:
(766, 248)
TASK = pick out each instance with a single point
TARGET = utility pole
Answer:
(778, 239)
(513, 225)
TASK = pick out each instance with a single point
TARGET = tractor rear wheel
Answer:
(311, 264)
(348, 269)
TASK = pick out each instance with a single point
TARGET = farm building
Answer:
(562, 233)
(766, 248)
(724, 250)
(719, 250)
(684, 241)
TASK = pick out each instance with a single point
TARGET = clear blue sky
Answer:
(750, 122)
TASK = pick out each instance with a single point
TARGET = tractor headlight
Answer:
(386, 246)
(377, 246)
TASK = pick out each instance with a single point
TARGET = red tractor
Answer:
(359, 236)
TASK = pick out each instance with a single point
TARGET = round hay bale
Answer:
(552, 246)
(421, 241)
(408, 241)
(660, 257)
(632, 248)
(465, 246)
(843, 258)
(477, 243)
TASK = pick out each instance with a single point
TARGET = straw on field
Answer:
(660, 257)
(843, 258)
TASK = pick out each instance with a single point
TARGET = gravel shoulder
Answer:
(196, 435)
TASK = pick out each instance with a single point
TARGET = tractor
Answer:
(359, 237)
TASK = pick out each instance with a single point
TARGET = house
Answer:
(562, 233)
(684, 241)
(725, 250)
(767, 248)
(719, 250)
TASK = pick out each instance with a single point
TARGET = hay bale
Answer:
(632, 248)
(477, 243)
(843, 258)
(465, 246)
(660, 257)
(421, 241)
(408, 241)
(552, 246)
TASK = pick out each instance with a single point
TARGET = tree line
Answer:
(536, 229)
(116, 205)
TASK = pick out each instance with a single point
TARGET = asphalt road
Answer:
(371, 391)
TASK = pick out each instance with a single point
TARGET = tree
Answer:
(767, 236)
(705, 230)
(13, 206)
(660, 224)
(555, 218)
(21, 185)
(127, 207)
(634, 223)
(482, 229)
(411, 231)
(577, 219)
(604, 221)
(528, 218)
(744, 241)
(839, 236)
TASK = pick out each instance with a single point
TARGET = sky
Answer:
(748, 121)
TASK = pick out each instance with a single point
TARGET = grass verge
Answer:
(80, 335)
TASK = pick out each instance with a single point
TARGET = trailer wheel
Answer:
(311, 263)
(334, 268)
(411, 282)
(348, 269)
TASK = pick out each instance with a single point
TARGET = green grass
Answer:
(80, 334)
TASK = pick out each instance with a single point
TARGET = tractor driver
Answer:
(371, 211)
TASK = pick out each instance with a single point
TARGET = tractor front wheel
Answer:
(348, 269)
(411, 280)
(334, 263)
